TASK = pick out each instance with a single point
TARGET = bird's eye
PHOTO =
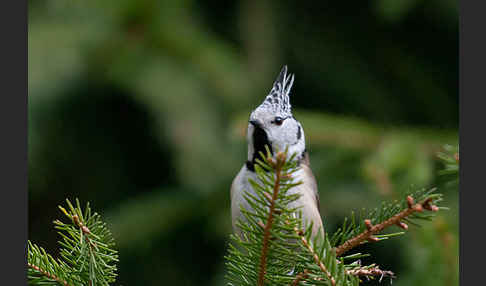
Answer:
(278, 120)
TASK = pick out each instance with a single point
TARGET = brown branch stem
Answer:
(367, 235)
(80, 224)
(299, 277)
(47, 274)
(266, 236)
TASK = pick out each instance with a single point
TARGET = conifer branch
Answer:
(367, 271)
(368, 234)
(47, 274)
(450, 158)
(87, 255)
(266, 236)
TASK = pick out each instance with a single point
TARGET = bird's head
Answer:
(273, 124)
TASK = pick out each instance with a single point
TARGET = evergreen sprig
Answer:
(87, 254)
(358, 222)
(387, 216)
(44, 269)
(450, 158)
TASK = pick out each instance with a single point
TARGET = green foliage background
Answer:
(140, 107)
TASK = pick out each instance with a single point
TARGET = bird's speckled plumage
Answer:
(273, 124)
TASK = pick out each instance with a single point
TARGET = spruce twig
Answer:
(266, 236)
(47, 274)
(366, 271)
(368, 235)
(87, 254)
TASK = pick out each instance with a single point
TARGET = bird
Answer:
(273, 124)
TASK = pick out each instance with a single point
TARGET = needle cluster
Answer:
(87, 254)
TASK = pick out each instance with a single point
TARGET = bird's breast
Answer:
(307, 200)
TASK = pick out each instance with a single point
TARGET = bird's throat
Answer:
(260, 139)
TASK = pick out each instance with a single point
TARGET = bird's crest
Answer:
(277, 99)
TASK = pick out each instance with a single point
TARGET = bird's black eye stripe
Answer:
(278, 120)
